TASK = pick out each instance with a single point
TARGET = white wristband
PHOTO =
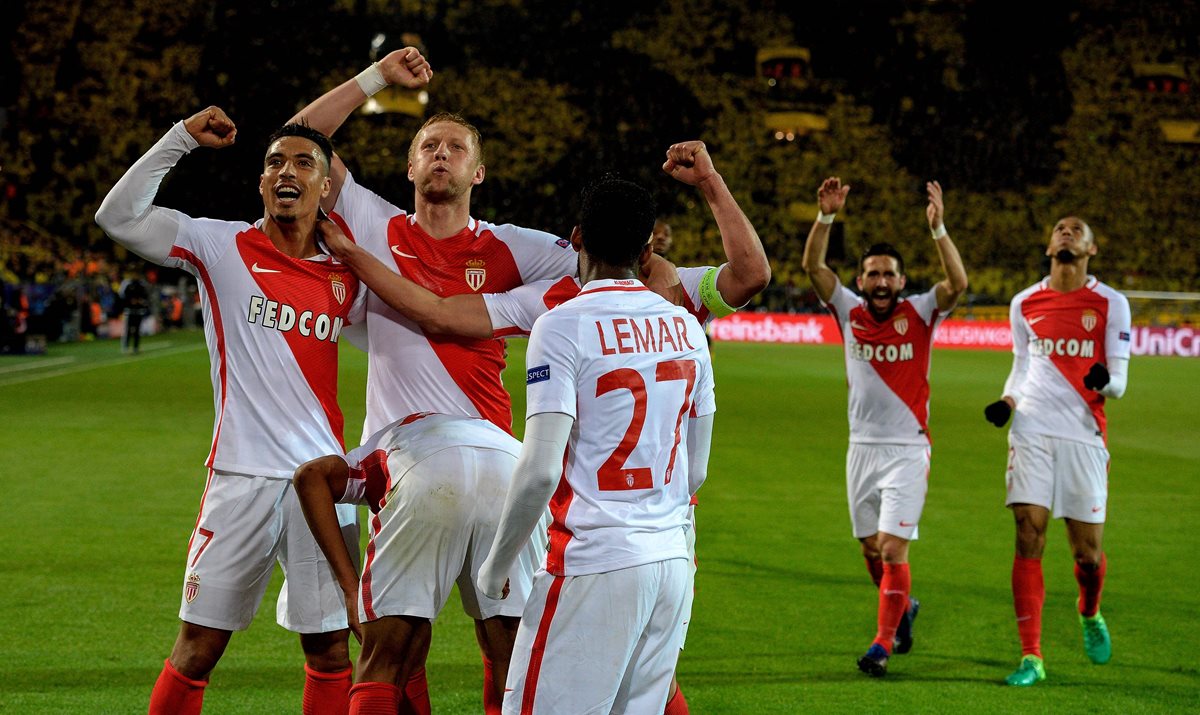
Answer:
(825, 218)
(371, 80)
(939, 233)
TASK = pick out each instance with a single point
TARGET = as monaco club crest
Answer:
(339, 288)
(1089, 320)
(476, 273)
(901, 324)
(191, 588)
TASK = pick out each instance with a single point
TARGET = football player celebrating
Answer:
(1070, 352)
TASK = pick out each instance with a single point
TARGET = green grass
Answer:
(100, 477)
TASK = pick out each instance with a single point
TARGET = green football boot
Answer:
(1031, 670)
(1096, 641)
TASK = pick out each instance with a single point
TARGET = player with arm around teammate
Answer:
(620, 404)
(442, 247)
(887, 344)
(707, 291)
(432, 483)
(1071, 344)
(274, 305)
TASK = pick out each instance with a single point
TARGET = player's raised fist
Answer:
(406, 67)
(211, 127)
(1096, 378)
(689, 162)
(998, 412)
(831, 196)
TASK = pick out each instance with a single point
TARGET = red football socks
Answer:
(326, 693)
(416, 694)
(492, 701)
(374, 699)
(176, 694)
(1090, 584)
(875, 568)
(677, 705)
(1029, 593)
(893, 602)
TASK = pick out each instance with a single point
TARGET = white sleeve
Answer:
(551, 382)
(366, 213)
(1020, 340)
(513, 312)
(534, 479)
(698, 444)
(842, 301)
(1118, 377)
(926, 305)
(127, 213)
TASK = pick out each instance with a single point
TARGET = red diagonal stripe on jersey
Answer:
(1058, 316)
(907, 379)
(560, 534)
(305, 286)
(441, 265)
(214, 310)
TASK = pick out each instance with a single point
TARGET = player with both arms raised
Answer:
(888, 341)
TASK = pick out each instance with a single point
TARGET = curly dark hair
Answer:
(616, 220)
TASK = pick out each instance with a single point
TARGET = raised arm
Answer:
(831, 197)
(319, 484)
(533, 483)
(128, 214)
(406, 68)
(951, 289)
(464, 315)
(747, 271)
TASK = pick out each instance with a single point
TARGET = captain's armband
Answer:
(711, 297)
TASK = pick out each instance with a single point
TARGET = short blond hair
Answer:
(453, 119)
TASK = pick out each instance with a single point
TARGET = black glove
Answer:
(997, 413)
(1096, 378)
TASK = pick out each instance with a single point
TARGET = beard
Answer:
(889, 307)
(1064, 255)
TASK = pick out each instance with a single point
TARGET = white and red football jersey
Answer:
(395, 449)
(514, 312)
(887, 366)
(1062, 335)
(409, 371)
(272, 324)
(630, 368)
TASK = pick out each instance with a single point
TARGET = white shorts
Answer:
(599, 643)
(886, 486)
(1070, 478)
(246, 524)
(435, 529)
(690, 597)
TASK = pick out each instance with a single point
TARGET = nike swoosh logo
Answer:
(396, 250)
(1097, 509)
(856, 326)
(890, 592)
(256, 269)
(907, 523)
(1035, 321)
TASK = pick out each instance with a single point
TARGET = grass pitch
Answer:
(101, 475)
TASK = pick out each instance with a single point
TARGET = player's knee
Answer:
(1087, 556)
(326, 652)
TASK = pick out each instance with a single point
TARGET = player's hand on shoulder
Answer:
(334, 238)
(936, 209)
(211, 127)
(689, 162)
(407, 68)
(831, 195)
(1097, 378)
(998, 412)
